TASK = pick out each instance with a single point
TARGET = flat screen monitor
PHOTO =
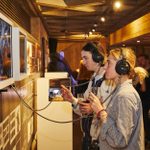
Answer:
(5, 51)
(55, 88)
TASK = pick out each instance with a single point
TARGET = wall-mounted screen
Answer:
(55, 88)
(23, 58)
(5, 51)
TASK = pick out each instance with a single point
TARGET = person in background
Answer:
(138, 76)
(122, 120)
(59, 64)
(143, 61)
(144, 91)
(93, 60)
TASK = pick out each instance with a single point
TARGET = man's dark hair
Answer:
(97, 54)
(90, 47)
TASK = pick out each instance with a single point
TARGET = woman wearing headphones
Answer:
(93, 60)
(122, 120)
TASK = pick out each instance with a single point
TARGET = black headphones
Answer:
(96, 55)
(122, 66)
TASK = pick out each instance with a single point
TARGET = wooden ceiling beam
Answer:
(69, 27)
(76, 9)
(84, 2)
(61, 5)
(70, 22)
(52, 3)
(64, 14)
(55, 13)
(88, 17)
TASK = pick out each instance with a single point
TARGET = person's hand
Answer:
(85, 107)
(95, 103)
(66, 94)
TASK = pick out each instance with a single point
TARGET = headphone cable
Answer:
(48, 119)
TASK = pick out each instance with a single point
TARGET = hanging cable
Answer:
(26, 103)
(48, 119)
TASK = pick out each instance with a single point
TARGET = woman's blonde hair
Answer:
(139, 75)
(129, 55)
(124, 53)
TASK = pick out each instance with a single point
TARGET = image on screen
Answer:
(54, 92)
(55, 88)
(5, 50)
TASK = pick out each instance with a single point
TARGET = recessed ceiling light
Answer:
(93, 30)
(90, 33)
(95, 25)
(103, 19)
(138, 41)
(77, 70)
(117, 4)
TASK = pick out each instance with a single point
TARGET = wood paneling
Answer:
(72, 51)
(136, 28)
(16, 120)
(14, 11)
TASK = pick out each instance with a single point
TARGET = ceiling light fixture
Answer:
(138, 41)
(117, 4)
(90, 33)
(93, 30)
(103, 19)
(95, 25)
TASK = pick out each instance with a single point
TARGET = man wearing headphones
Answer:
(93, 61)
(122, 120)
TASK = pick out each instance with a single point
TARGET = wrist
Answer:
(74, 102)
(99, 110)
(101, 114)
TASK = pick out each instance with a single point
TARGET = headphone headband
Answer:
(96, 55)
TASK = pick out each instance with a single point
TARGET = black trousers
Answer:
(146, 107)
(86, 142)
(86, 125)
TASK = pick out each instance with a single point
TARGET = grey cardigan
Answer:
(123, 128)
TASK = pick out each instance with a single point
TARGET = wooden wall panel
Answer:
(72, 51)
(37, 29)
(16, 120)
(136, 28)
(11, 9)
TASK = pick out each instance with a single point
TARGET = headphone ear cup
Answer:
(97, 57)
(122, 67)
